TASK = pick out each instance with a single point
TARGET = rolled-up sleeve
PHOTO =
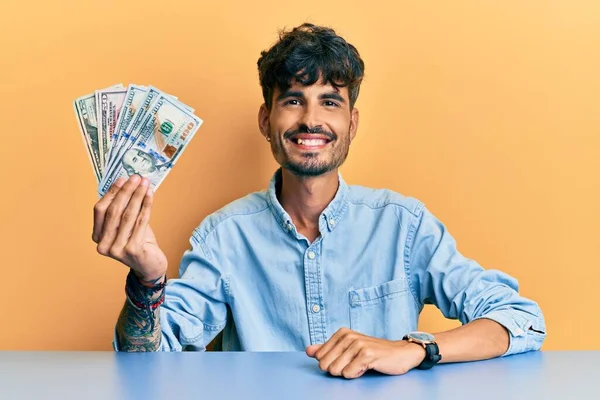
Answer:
(463, 290)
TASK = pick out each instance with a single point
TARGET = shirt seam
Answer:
(320, 289)
(226, 285)
(373, 207)
(415, 223)
(203, 237)
(212, 327)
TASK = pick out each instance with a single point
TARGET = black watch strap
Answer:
(432, 356)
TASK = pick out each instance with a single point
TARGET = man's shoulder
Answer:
(249, 205)
(382, 198)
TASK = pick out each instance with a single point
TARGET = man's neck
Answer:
(304, 199)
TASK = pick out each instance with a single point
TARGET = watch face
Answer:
(422, 337)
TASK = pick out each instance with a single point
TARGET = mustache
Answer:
(305, 129)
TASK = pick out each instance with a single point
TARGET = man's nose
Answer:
(310, 117)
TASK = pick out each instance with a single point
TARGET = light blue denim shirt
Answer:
(379, 259)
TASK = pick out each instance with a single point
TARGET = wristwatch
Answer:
(432, 350)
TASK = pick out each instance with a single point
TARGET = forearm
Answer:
(480, 339)
(138, 326)
(137, 331)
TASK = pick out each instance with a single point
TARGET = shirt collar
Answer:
(328, 219)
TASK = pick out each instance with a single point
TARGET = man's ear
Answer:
(263, 121)
(354, 117)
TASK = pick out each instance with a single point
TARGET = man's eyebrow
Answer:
(290, 93)
(332, 96)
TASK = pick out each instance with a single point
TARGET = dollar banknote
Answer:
(125, 136)
(133, 98)
(128, 137)
(162, 136)
(108, 104)
(134, 130)
(85, 110)
(88, 126)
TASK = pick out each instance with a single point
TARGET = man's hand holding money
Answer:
(122, 232)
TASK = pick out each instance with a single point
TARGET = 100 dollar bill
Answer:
(129, 137)
(133, 98)
(128, 134)
(163, 135)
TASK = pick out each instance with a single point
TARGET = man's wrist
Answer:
(149, 281)
(412, 351)
(149, 292)
(418, 350)
(429, 347)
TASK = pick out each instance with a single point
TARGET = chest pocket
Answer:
(382, 311)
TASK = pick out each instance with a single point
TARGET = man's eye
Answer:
(134, 159)
(292, 102)
(330, 104)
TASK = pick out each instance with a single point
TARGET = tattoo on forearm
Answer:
(138, 331)
(138, 327)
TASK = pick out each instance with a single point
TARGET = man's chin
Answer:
(307, 171)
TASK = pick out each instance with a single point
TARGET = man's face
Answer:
(310, 128)
(141, 162)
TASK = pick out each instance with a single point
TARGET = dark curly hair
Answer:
(304, 55)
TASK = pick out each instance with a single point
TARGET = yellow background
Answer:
(485, 110)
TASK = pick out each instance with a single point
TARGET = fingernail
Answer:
(119, 182)
(144, 182)
(135, 178)
(150, 192)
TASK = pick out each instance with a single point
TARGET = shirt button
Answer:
(316, 308)
(332, 222)
(311, 255)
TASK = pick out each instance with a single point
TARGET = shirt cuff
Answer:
(525, 331)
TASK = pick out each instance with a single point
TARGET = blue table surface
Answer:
(244, 375)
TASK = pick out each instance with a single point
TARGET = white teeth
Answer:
(312, 142)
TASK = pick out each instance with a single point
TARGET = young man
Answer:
(312, 263)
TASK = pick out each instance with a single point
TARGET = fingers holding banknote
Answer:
(130, 215)
(101, 207)
(121, 228)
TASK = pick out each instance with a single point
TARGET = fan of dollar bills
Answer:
(134, 130)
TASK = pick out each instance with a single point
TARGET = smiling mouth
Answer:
(310, 142)
(313, 141)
